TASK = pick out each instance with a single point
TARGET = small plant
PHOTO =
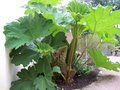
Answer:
(82, 67)
(39, 37)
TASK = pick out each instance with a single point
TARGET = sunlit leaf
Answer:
(102, 61)
(103, 20)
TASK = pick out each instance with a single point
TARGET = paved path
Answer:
(107, 80)
(114, 58)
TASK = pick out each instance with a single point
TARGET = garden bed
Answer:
(80, 81)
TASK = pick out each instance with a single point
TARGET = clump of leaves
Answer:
(37, 77)
(39, 37)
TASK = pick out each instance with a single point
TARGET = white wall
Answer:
(9, 10)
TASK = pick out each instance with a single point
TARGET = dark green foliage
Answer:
(45, 73)
(26, 29)
(26, 80)
(37, 77)
(23, 55)
(56, 41)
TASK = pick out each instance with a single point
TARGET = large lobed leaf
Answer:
(103, 20)
(26, 80)
(37, 77)
(102, 61)
(26, 29)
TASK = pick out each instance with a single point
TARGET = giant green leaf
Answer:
(26, 29)
(26, 80)
(103, 20)
(102, 61)
(23, 55)
(37, 77)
